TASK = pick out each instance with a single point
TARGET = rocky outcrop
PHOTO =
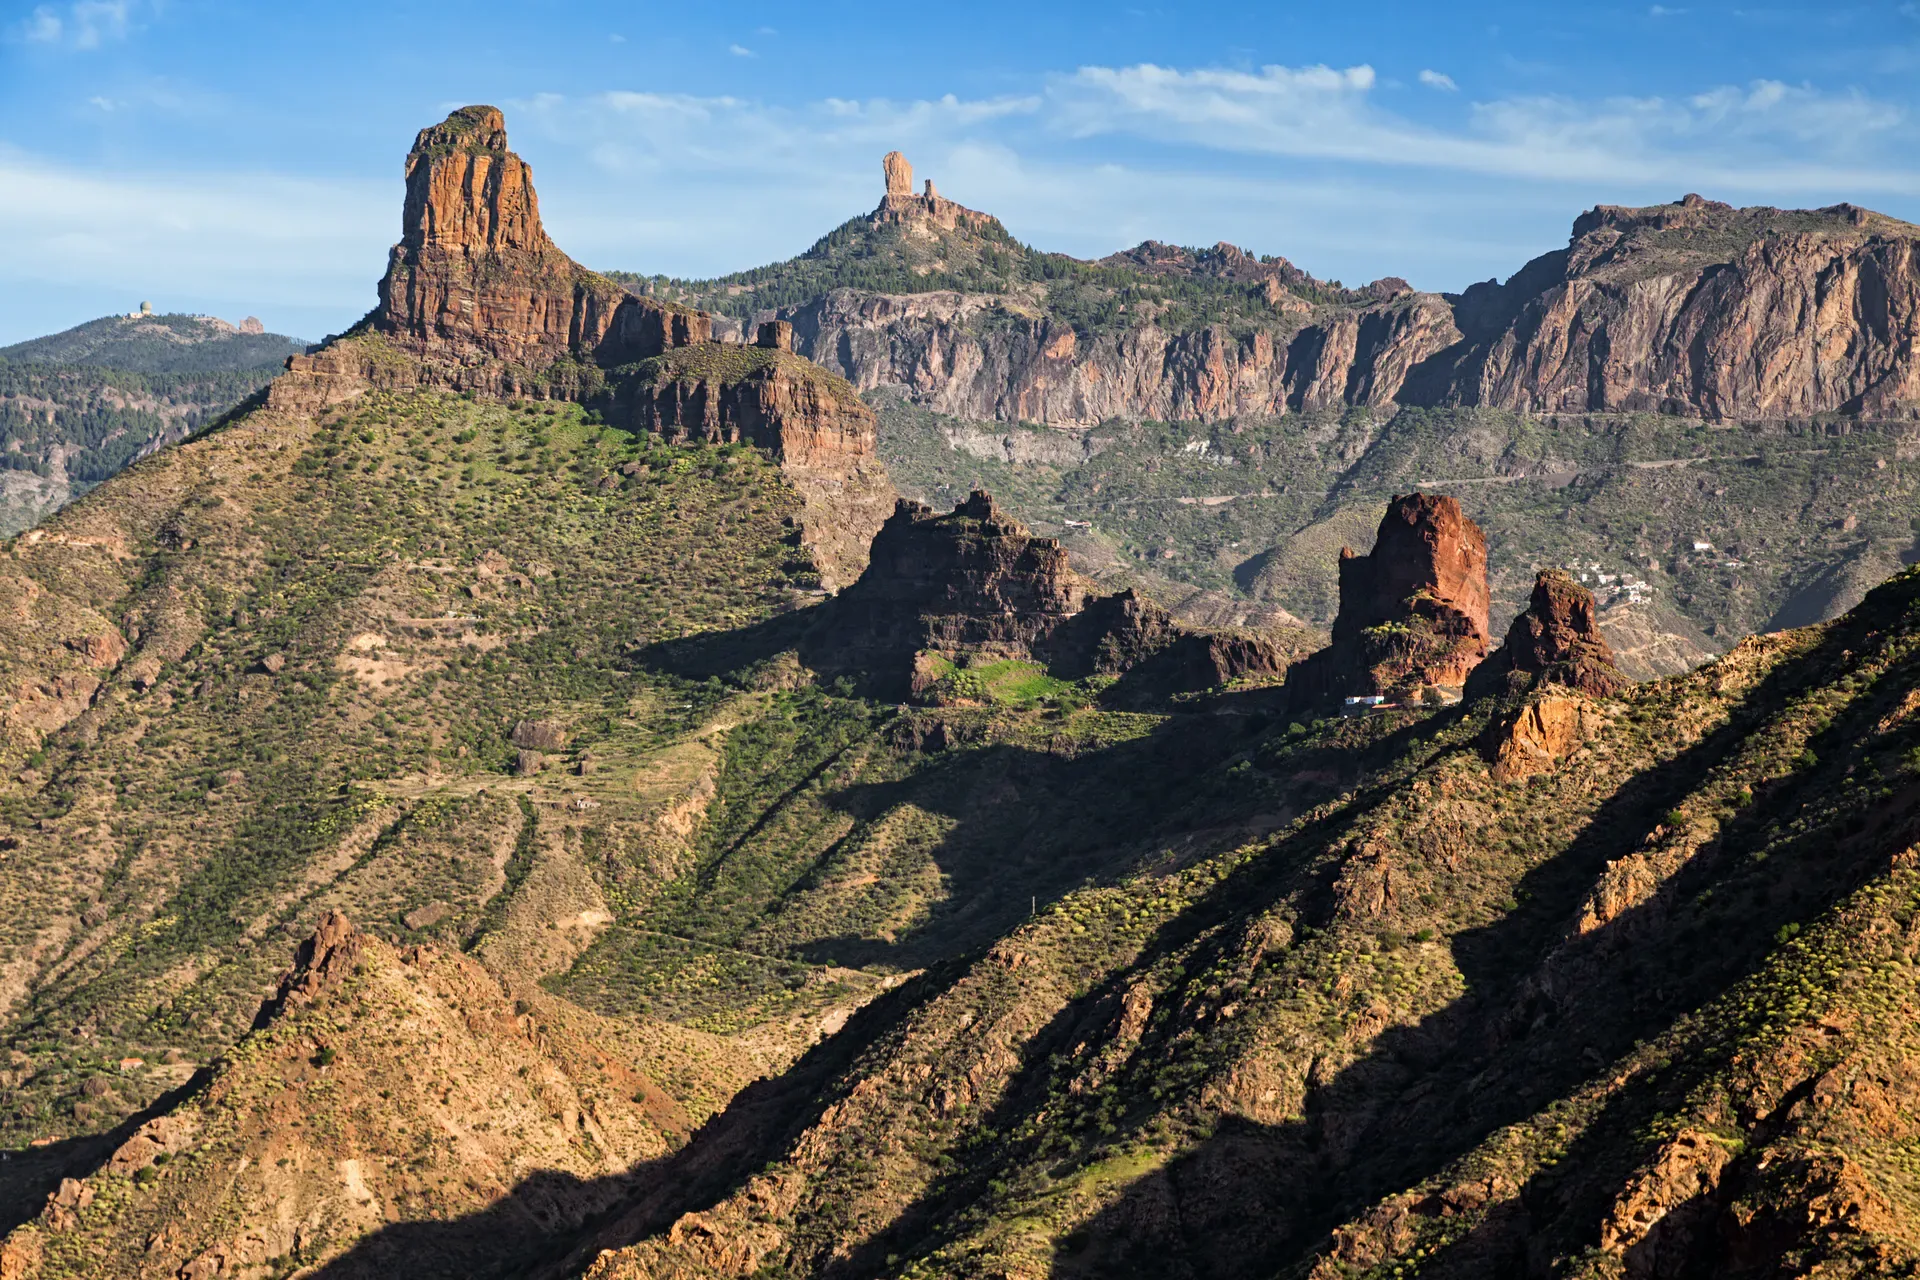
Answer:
(1556, 641)
(475, 283)
(1536, 736)
(1031, 369)
(1698, 308)
(975, 583)
(1413, 612)
(765, 396)
(925, 212)
(478, 298)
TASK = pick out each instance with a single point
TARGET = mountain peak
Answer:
(928, 209)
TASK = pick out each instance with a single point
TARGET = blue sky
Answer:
(244, 158)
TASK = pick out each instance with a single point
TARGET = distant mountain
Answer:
(173, 343)
(77, 406)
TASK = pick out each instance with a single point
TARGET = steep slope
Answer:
(1642, 1014)
(478, 299)
(385, 1086)
(77, 406)
(1698, 308)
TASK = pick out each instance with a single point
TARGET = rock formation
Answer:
(1694, 307)
(819, 428)
(1413, 612)
(1033, 370)
(477, 298)
(975, 583)
(1555, 641)
(921, 213)
(1699, 308)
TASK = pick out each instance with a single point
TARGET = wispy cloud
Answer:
(1438, 80)
(84, 25)
(1766, 135)
(741, 51)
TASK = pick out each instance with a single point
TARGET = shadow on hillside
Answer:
(1542, 1013)
(553, 1224)
(28, 1177)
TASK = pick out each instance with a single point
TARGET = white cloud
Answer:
(1767, 136)
(84, 25)
(1438, 80)
(42, 27)
(741, 51)
(247, 243)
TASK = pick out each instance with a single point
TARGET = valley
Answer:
(590, 775)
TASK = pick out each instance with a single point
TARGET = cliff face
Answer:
(1694, 307)
(974, 583)
(1698, 308)
(476, 280)
(1413, 612)
(1037, 370)
(477, 298)
(1557, 640)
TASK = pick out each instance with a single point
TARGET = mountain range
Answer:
(525, 795)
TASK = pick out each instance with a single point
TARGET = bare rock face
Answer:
(899, 174)
(1035, 371)
(819, 428)
(972, 581)
(976, 583)
(922, 212)
(1413, 612)
(478, 298)
(1697, 307)
(1557, 641)
(475, 276)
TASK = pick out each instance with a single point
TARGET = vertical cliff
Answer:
(1413, 611)
(477, 297)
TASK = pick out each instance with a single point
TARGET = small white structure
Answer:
(1699, 545)
(144, 313)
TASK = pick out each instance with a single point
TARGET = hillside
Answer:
(77, 406)
(521, 799)
(1216, 422)
(160, 343)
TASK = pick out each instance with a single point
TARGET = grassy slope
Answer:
(1519, 1020)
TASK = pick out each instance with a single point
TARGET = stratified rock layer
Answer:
(1557, 640)
(1413, 612)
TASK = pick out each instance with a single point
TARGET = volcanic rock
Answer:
(1699, 308)
(921, 212)
(478, 298)
(1556, 640)
(1413, 612)
(976, 583)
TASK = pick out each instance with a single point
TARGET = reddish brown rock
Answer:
(1697, 307)
(1556, 640)
(475, 277)
(1413, 612)
(922, 212)
(478, 298)
(976, 583)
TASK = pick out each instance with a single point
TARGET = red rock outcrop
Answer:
(1413, 612)
(1700, 308)
(925, 211)
(975, 583)
(819, 428)
(1556, 640)
(478, 298)
(475, 279)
